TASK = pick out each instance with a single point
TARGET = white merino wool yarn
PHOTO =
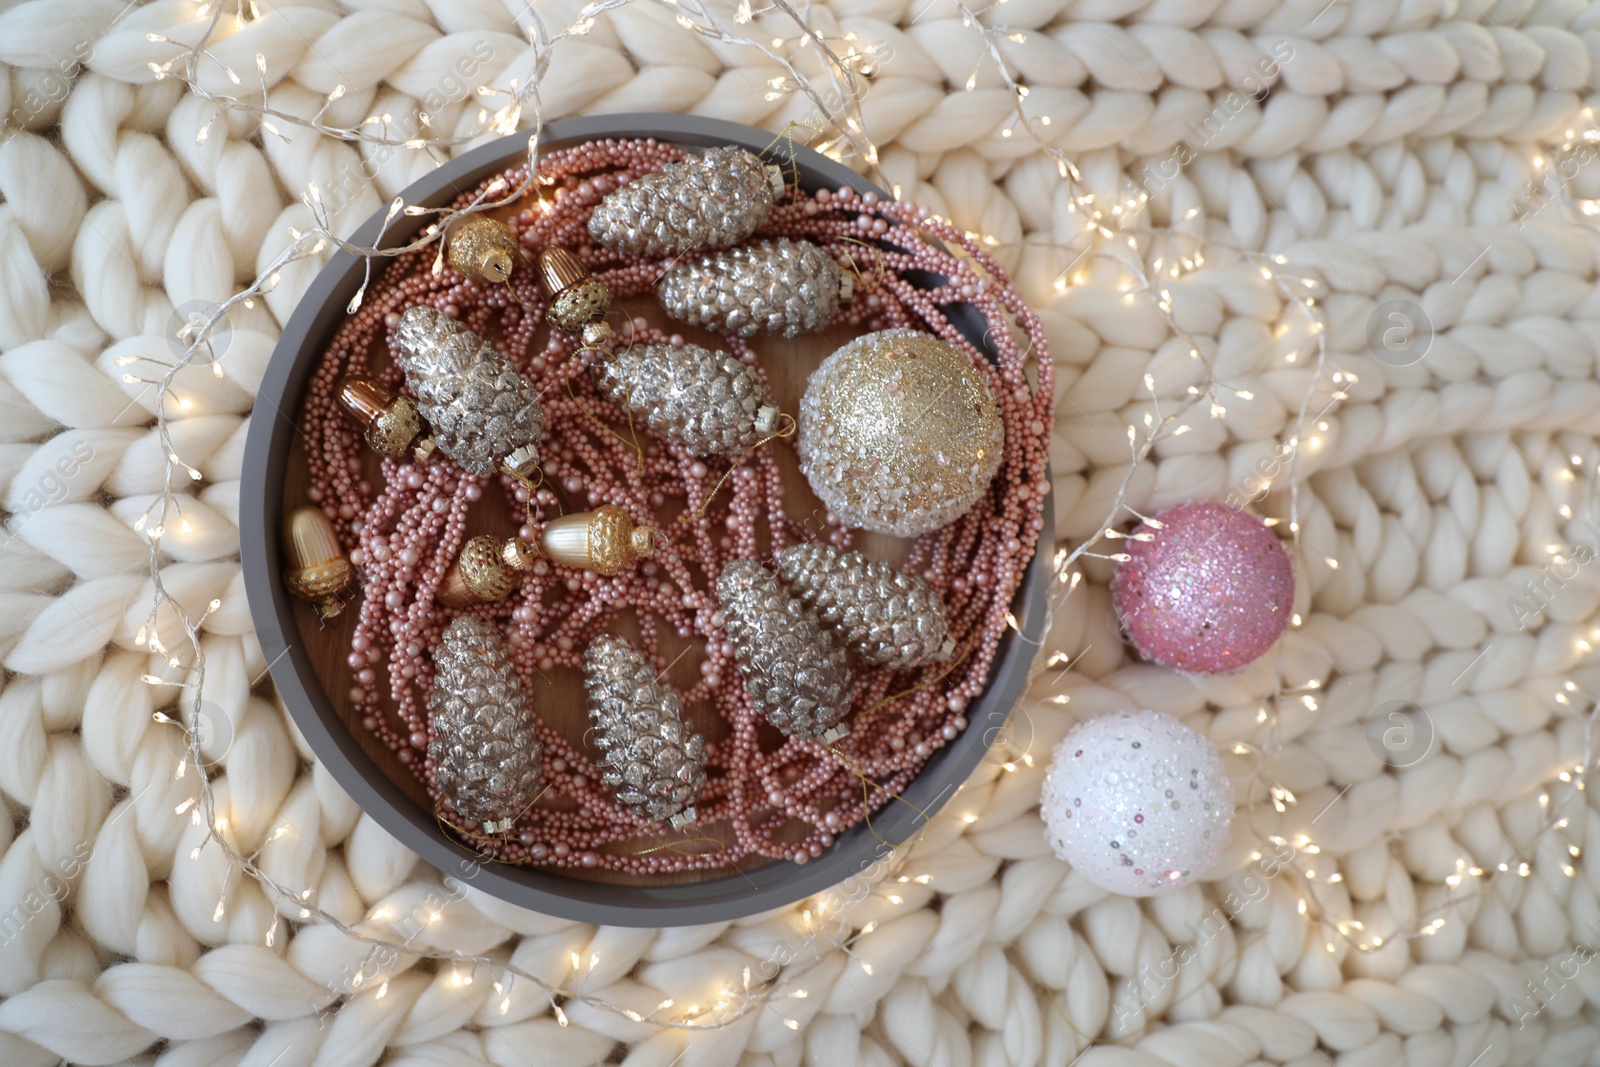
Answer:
(1138, 802)
(1390, 171)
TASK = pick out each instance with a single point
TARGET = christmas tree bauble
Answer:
(708, 201)
(795, 672)
(485, 745)
(709, 402)
(482, 248)
(484, 413)
(1209, 592)
(1137, 802)
(899, 433)
(890, 618)
(652, 759)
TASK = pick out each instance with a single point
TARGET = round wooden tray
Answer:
(308, 657)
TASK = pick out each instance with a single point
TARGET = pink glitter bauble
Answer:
(1209, 593)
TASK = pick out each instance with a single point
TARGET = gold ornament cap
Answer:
(523, 462)
(482, 248)
(485, 571)
(518, 554)
(604, 541)
(318, 569)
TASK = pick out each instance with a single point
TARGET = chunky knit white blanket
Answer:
(1390, 158)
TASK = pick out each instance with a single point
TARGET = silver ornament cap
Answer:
(899, 433)
(886, 616)
(651, 758)
(485, 747)
(793, 669)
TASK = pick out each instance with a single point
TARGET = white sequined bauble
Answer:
(1138, 802)
(899, 433)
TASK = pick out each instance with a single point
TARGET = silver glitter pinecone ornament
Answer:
(484, 414)
(706, 401)
(776, 286)
(711, 201)
(485, 749)
(892, 619)
(654, 762)
(795, 672)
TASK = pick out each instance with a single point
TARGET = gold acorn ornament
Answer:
(604, 541)
(486, 571)
(485, 415)
(708, 201)
(390, 424)
(319, 571)
(577, 301)
(775, 286)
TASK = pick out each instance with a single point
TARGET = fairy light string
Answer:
(1108, 233)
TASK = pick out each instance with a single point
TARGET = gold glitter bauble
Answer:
(899, 433)
(482, 248)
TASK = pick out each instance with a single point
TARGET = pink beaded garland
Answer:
(1210, 592)
(409, 529)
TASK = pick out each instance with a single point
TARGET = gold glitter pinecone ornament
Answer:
(890, 618)
(776, 286)
(318, 572)
(899, 433)
(485, 571)
(709, 402)
(710, 201)
(794, 671)
(482, 248)
(484, 414)
(655, 763)
(485, 744)
(391, 425)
